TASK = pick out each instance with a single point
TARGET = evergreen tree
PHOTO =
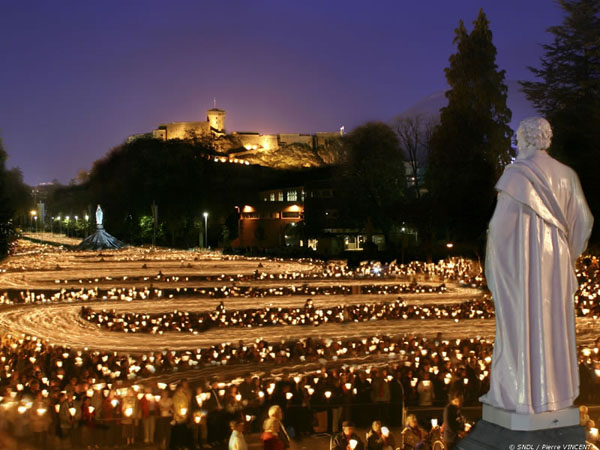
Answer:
(471, 144)
(568, 94)
(14, 195)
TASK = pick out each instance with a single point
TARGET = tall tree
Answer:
(14, 195)
(372, 177)
(472, 143)
(414, 134)
(568, 94)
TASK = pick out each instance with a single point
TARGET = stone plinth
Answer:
(489, 436)
(566, 417)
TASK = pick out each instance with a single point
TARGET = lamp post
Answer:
(33, 213)
(205, 229)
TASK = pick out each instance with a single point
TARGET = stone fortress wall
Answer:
(251, 141)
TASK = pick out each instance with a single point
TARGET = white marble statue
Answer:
(99, 217)
(539, 228)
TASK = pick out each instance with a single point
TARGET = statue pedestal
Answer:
(489, 436)
(566, 417)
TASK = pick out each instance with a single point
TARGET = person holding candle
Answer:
(413, 436)
(380, 438)
(454, 421)
(347, 439)
(68, 416)
(199, 429)
(165, 413)
(425, 390)
(130, 416)
(40, 418)
(237, 440)
(148, 409)
(88, 422)
(180, 433)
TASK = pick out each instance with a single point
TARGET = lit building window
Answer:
(280, 196)
(272, 196)
(292, 196)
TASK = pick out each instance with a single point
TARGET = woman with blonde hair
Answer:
(413, 436)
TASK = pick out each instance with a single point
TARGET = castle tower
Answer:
(216, 120)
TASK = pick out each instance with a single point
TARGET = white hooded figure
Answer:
(539, 228)
(99, 217)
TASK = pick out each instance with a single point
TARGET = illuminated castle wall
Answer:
(215, 126)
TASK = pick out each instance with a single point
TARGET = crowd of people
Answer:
(133, 322)
(89, 396)
(59, 396)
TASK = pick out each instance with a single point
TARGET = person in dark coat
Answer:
(345, 440)
(454, 421)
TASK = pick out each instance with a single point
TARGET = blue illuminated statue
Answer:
(100, 239)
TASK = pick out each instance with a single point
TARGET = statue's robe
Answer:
(539, 228)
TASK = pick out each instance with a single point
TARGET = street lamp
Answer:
(33, 213)
(205, 229)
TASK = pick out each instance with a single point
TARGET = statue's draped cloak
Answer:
(539, 228)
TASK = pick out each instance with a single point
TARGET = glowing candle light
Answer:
(353, 443)
(385, 431)
(434, 423)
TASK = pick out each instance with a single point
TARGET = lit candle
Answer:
(434, 423)
(353, 443)
(385, 431)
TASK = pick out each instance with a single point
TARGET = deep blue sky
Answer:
(78, 77)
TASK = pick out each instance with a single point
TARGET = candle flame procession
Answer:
(104, 340)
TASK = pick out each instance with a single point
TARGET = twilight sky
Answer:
(78, 77)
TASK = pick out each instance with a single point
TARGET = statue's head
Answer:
(534, 134)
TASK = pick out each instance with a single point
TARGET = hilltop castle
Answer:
(251, 142)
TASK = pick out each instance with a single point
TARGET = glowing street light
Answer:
(205, 229)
